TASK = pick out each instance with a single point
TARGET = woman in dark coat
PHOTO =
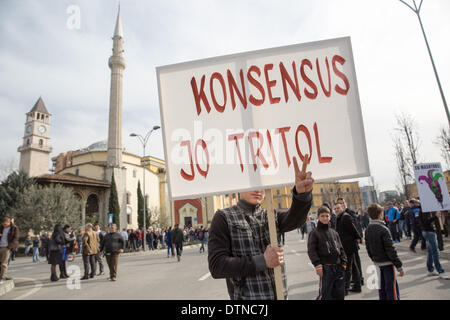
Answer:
(55, 246)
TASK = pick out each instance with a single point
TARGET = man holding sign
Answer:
(239, 245)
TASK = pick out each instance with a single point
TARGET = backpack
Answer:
(201, 235)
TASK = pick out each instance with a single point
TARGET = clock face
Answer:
(29, 129)
(42, 129)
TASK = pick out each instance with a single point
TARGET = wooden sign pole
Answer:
(274, 243)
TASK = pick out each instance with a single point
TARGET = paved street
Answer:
(152, 275)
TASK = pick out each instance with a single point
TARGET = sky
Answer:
(46, 51)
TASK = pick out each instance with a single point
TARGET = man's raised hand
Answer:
(303, 180)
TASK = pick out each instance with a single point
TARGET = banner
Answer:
(234, 123)
(432, 187)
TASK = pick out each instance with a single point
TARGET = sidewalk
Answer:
(445, 254)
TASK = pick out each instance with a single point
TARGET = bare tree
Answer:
(408, 135)
(7, 166)
(403, 167)
(443, 142)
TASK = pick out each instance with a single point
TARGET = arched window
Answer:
(28, 142)
(128, 198)
(41, 143)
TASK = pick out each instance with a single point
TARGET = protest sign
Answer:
(432, 187)
(234, 123)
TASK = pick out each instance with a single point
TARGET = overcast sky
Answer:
(43, 54)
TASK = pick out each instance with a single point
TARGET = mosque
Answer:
(89, 171)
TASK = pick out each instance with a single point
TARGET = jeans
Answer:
(401, 228)
(417, 236)
(388, 284)
(89, 260)
(433, 252)
(170, 248)
(202, 248)
(80, 245)
(332, 283)
(36, 255)
(27, 249)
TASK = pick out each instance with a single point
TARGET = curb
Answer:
(6, 287)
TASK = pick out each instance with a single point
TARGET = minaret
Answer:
(117, 65)
(35, 149)
(114, 160)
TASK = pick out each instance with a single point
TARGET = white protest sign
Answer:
(234, 123)
(431, 187)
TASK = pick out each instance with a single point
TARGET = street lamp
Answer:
(416, 10)
(144, 143)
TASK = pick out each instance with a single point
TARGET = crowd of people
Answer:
(93, 243)
(333, 246)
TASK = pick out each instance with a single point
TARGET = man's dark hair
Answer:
(326, 204)
(6, 219)
(340, 198)
(323, 209)
(374, 211)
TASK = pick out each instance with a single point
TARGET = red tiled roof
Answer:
(71, 179)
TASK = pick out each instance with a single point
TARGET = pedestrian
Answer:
(169, 242)
(99, 256)
(439, 230)
(201, 237)
(9, 241)
(90, 250)
(28, 243)
(36, 243)
(69, 240)
(415, 210)
(428, 227)
(381, 250)
(349, 236)
(402, 221)
(303, 230)
(393, 216)
(112, 245)
(79, 239)
(357, 269)
(55, 246)
(177, 240)
(133, 240)
(44, 245)
(328, 257)
(124, 235)
(239, 243)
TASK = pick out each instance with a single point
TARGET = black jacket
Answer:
(347, 232)
(325, 247)
(112, 243)
(379, 244)
(427, 221)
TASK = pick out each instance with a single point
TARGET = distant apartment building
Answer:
(368, 196)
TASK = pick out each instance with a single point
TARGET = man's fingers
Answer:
(305, 163)
(296, 168)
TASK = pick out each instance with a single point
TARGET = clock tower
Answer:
(35, 149)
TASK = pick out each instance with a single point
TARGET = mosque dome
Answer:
(98, 146)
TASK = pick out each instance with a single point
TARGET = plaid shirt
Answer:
(249, 231)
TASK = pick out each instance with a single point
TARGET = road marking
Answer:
(297, 254)
(206, 276)
(37, 287)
